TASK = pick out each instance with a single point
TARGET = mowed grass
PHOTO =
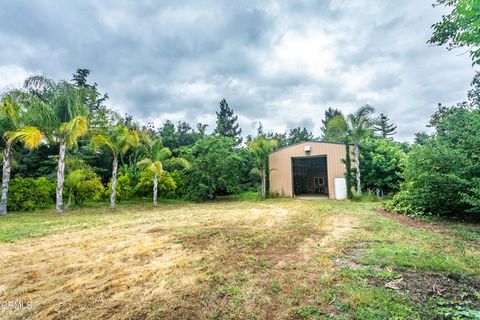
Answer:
(237, 259)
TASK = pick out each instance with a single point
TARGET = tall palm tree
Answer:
(118, 142)
(15, 119)
(359, 125)
(66, 120)
(156, 155)
(262, 147)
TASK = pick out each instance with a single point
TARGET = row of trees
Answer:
(86, 148)
(90, 151)
(59, 114)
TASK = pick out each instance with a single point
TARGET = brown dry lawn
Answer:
(277, 259)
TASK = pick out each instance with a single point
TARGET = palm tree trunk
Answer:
(114, 181)
(61, 174)
(264, 182)
(5, 178)
(356, 152)
(155, 189)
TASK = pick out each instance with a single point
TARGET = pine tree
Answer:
(227, 124)
(297, 135)
(383, 127)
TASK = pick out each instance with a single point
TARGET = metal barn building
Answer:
(309, 169)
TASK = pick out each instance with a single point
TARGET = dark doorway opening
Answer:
(310, 176)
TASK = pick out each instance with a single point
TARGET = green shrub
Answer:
(218, 167)
(368, 196)
(166, 185)
(82, 185)
(382, 163)
(442, 176)
(30, 194)
(179, 179)
(124, 188)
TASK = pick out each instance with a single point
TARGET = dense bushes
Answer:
(166, 185)
(29, 194)
(442, 176)
(218, 167)
(382, 163)
(82, 185)
(124, 189)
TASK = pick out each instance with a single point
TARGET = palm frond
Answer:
(74, 129)
(67, 102)
(162, 154)
(30, 136)
(156, 167)
(256, 172)
(144, 163)
(360, 122)
(38, 82)
(153, 166)
(9, 111)
(125, 138)
(262, 146)
(98, 141)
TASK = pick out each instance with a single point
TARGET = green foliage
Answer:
(348, 171)
(132, 171)
(218, 167)
(29, 194)
(175, 164)
(82, 185)
(118, 141)
(336, 129)
(310, 313)
(182, 135)
(421, 137)
(166, 185)
(124, 190)
(381, 164)
(442, 175)
(330, 113)
(261, 148)
(297, 135)
(360, 123)
(459, 28)
(454, 310)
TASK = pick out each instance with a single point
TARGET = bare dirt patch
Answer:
(425, 286)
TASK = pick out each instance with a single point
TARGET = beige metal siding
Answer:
(281, 165)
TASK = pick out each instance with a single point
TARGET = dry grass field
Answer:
(275, 259)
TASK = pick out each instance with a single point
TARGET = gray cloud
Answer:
(281, 63)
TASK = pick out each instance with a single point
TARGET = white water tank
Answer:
(340, 185)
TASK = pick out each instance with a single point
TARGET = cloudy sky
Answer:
(278, 62)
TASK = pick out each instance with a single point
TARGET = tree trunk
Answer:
(5, 178)
(356, 152)
(155, 189)
(264, 182)
(114, 181)
(61, 174)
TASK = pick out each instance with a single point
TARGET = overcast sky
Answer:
(279, 62)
